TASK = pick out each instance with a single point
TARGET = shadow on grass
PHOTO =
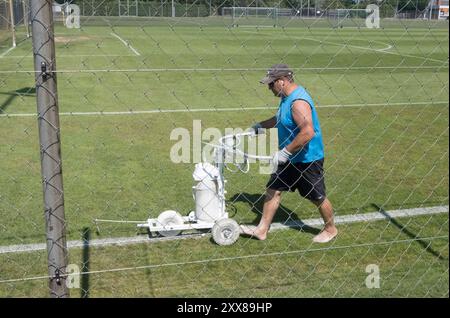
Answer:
(426, 245)
(284, 215)
(26, 91)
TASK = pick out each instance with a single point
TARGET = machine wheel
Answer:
(168, 219)
(225, 232)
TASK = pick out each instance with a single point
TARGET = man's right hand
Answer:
(280, 158)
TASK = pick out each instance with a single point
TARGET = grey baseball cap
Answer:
(275, 72)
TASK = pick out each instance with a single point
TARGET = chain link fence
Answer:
(14, 22)
(132, 95)
(5, 24)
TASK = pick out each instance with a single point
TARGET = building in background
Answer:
(443, 10)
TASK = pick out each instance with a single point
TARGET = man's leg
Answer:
(271, 204)
(329, 231)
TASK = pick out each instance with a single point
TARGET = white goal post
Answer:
(349, 17)
(128, 8)
(252, 16)
(59, 13)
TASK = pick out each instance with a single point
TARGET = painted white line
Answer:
(377, 50)
(206, 110)
(387, 46)
(364, 217)
(413, 56)
(7, 51)
(299, 70)
(68, 56)
(242, 257)
(120, 241)
(126, 44)
(256, 26)
(446, 102)
(385, 49)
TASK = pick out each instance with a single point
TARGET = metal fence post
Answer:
(12, 22)
(50, 147)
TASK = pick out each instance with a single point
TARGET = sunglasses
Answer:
(271, 84)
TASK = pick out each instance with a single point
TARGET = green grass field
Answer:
(286, 265)
(382, 98)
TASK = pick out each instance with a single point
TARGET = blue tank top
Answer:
(288, 129)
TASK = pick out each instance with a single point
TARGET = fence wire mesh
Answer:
(144, 85)
(14, 23)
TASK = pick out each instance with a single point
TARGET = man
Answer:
(298, 165)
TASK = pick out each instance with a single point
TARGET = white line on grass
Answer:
(67, 56)
(256, 26)
(363, 217)
(444, 102)
(377, 50)
(144, 70)
(383, 50)
(240, 257)
(7, 51)
(197, 110)
(126, 44)
(366, 217)
(386, 48)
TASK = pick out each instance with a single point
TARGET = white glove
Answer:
(280, 157)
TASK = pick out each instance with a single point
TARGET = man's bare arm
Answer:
(301, 113)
